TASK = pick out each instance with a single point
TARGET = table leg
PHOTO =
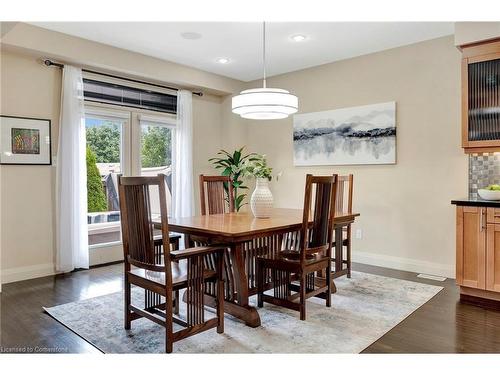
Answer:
(237, 307)
(240, 277)
(246, 312)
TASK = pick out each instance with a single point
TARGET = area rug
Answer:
(364, 308)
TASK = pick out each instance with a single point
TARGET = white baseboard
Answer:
(97, 256)
(404, 264)
(11, 275)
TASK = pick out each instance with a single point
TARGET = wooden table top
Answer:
(244, 223)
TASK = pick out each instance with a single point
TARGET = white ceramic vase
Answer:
(261, 201)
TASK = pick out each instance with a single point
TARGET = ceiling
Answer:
(241, 43)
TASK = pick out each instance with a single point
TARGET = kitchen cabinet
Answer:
(481, 97)
(478, 249)
(471, 247)
(493, 257)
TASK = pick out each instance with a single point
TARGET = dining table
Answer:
(247, 237)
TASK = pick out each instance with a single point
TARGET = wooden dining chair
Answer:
(174, 241)
(313, 253)
(343, 204)
(216, 195)
(174, 238)
(162, 272)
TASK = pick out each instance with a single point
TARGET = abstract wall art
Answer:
(24, 141)
(354, 135)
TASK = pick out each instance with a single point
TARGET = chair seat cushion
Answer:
(179, 275)
(292, 255)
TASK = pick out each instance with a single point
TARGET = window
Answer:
(122, 142)
(156, 157)
(105, 161)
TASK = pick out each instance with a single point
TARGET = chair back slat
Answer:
(320, 193)
(339, 204)
(216, 195)
(344, 194)
(320, 215)
(141, 241)
(137, 222)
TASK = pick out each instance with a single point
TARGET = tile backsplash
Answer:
(484, 169)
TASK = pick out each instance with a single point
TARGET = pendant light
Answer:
(265, 103)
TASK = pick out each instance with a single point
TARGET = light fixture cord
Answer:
(264, 51)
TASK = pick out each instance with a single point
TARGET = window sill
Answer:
(107, 244)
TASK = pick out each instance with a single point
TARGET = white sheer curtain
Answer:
(71, 206)
(182, 191)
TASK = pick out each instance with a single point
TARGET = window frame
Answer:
(138, 117)
(130, 155)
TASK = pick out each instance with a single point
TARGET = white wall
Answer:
(27, 196)
(407, 220)
(474, 32)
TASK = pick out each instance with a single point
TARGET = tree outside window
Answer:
(103, 147)
(156, 146)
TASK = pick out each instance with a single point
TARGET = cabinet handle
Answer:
(481, 220)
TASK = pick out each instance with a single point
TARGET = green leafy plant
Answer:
(96, 199)
(257, 167)
(233, 165)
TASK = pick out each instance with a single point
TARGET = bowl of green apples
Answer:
(490, 193)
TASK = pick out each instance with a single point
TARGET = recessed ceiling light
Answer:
(299, 38)
(191, 35)
(223, 60)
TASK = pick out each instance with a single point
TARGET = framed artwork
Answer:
(25, 140)
(354, 135)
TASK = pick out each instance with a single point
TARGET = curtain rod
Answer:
(48, 62)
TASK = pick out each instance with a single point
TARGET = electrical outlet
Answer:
(359, 234)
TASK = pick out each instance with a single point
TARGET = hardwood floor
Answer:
(442, 325)
(25, 326)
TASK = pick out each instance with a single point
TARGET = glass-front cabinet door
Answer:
(481, 97)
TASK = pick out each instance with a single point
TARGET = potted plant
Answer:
(233, 165)
(261, 201)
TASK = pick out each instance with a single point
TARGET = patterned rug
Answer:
(364, 308)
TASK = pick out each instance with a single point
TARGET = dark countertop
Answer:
(475, 202)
